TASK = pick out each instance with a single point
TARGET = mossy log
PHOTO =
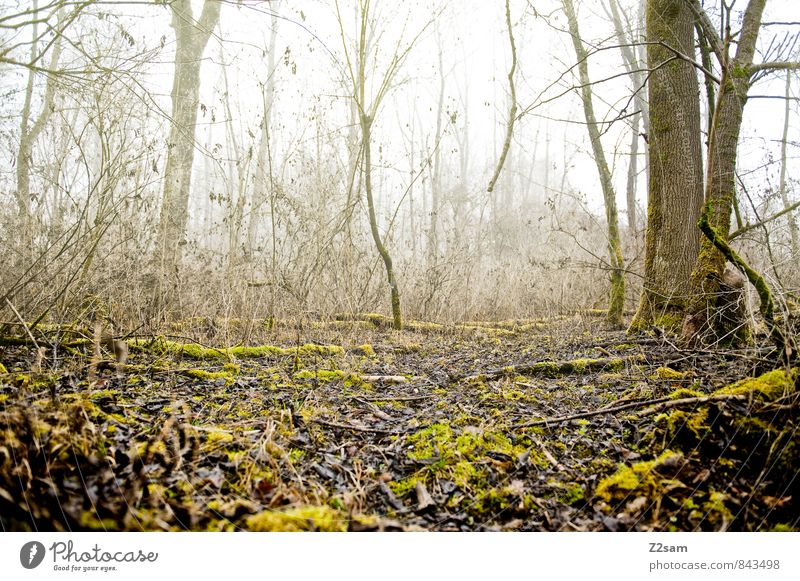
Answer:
(557, 368)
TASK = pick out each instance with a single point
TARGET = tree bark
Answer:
(675, 191)
(617, 293)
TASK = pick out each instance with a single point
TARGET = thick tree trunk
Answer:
(191, 37)
(675, 191)
(617, 294)
(721, 185)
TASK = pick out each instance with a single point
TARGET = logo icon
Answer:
(31, 554)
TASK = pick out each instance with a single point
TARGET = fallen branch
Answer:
(687, 400)
(655, 405)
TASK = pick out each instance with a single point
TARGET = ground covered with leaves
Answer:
(551, 425)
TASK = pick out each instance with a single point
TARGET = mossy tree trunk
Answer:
(617, 294)
(698, 326)
(675, 190)
(191, 37)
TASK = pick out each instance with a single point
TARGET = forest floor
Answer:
(550, 425)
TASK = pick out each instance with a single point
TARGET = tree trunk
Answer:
(636, 69)
(191, 37)
(721, 183)
(261, 183)
(29, 133)
(617, 294)
(366, 137)
(675, 191)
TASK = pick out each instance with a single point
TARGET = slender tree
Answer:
(793, 231)
(617, 293)
(368, 106)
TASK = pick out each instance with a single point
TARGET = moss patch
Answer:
(769, 386)
(304, 518)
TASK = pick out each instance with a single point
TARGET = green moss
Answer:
(463, 458)
(209, 375)
(305, 518)
(3, 369)
(221, 436)
(640, 477)
(329, 376)
(683, 422)
(573, 493)
(769, 386)
(365, 350)
(666, 373)
(89, 520)
(404, 486)
(714, 509)
(195, 351)
(684, 392)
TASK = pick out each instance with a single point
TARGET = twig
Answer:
(23, 323)
(610, 410)
(550, 458)
(355, 428)
(655, 406)
(397, 397)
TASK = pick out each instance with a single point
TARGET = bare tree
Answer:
(191, 37)
(368, 106)
(28, 133)
(636, 68)
(795, 237)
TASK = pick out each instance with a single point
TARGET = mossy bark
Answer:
(699, 327)
(767, 308)
(617, 291)
(675, 190)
